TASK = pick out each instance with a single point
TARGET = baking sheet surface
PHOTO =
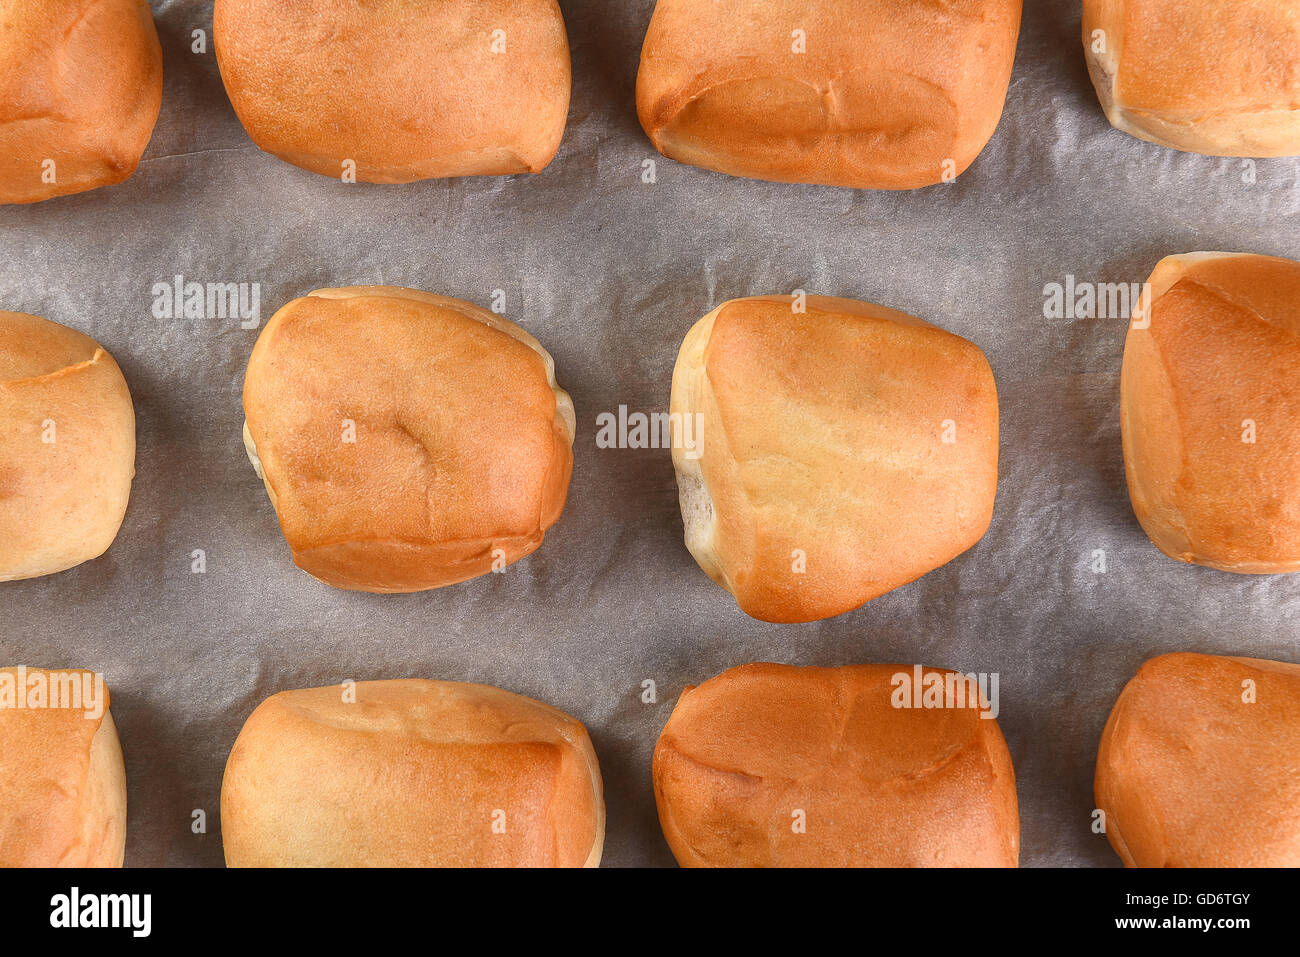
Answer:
(609, 272)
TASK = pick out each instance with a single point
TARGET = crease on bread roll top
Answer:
(68, 458)
(1218, 77)
(62, 780)
(403, 90)
(769, 765)
(838, 453)
(1210, 411)
(1197, 764)
(406, 440)
(870, 94)
(411, 773)
(80, 92)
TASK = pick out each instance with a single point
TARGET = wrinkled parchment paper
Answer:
(609, 272)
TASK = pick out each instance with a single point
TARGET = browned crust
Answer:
(413, 773)
(463, 440)
(1222, 350)
(878, 786)
(826, 476)
(80, 85)
(1190, 774)
(405, 90)
(885, 96)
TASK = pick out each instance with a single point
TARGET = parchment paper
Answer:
(610, 272)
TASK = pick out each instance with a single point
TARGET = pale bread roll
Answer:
(1198, 764)
(1210, 411)
(411, 773)
(408, 441)
(69, 452)
(872, 94)
(62, 781)
(774, 766)
(81, 86)
(1220, 77)
(842, 452)
(404, 89)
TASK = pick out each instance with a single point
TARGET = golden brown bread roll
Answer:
(408, 441)
(873, 94)
(1198, 764)
(841, 452)
(1210, 411)
(1207, 76)
(404, 89)
(68, 456)
(750, 755)
(62, 782)
(411, 773)
(80, 88)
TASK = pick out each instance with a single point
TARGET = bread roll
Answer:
(1211, 411)
(882, 94)
(408, 441)
(411, 773)
(773, 766)
(840, 452)
(1198, 764)
(62, 782)
(68, 456)
(404, 89)
(1207, 76)
(80, 90)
